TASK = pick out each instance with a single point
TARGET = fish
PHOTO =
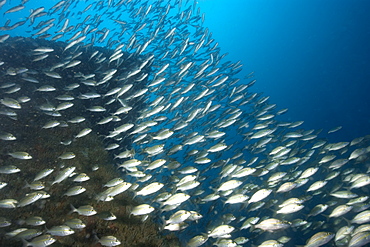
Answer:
(176, 199)
(83, 133)
(67, 156)
(30, 198)
(197, 241)
(3, 184)
(142, 209)
(220, 231)
(74, 191)
(63, 174)
(272, 225)
(85, 210)
(8, 203)
(129, 108)
(43, 240)
(35, 221)
(11, 103)
(21, 155)
(109, 241)
(319, 239)
(61, 230)
(150, 189)
(359, 239)
(14, 9)
(43, 173)
(75, 223)
(362, 217)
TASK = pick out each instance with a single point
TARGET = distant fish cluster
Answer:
(122, 125)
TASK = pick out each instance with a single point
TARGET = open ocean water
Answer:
(309, 56)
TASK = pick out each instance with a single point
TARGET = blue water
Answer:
(309, 56)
